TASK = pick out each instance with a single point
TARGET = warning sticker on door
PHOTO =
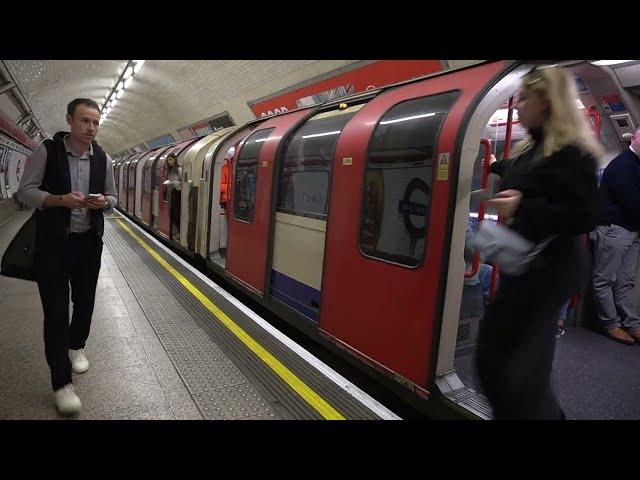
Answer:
(443, 166)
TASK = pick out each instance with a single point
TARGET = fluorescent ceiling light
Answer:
(113, 102)
(119, 93)
(610, 62)
(127, 82)
(120, 86)
(128, 72)
(322, 134)
(404, 119)
(138, 66)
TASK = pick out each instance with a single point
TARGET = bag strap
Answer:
(541, 246)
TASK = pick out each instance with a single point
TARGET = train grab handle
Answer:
(484, 184)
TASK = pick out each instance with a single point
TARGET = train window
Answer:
(305, 167)
(132, 176)
(399, 178)
(247, 175)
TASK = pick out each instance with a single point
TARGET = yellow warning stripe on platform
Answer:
(311, 397)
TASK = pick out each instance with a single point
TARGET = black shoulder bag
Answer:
(18, 259)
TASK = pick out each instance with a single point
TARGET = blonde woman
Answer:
(549, 190)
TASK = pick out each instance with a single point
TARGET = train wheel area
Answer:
(167, 343)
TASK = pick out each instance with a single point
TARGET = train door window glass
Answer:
(398, 180)
(132, 176)
(247, 175)
(166, 193)
(305, 166)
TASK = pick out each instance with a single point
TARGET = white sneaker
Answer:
(79, 362)
(67, 402)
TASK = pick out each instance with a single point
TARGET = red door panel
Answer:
(133, 172)
(147, 185)
(248, 242)
(124, 187)
(383, 311)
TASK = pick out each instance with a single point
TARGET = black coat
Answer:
(619, 194)
(559, 192)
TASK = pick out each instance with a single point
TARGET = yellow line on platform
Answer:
(302, 389)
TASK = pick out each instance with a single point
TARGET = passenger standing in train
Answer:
(174, 176)
(57, 182)
(617, 246)
(549, 190)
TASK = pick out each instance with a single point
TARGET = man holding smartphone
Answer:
(69, 181)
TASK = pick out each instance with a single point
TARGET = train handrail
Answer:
(505, 154)
(484, 183)
(592, 112)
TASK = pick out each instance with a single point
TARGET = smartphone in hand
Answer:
(482, 195)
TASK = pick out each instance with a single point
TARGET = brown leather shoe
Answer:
(635, 334)
(619, 335)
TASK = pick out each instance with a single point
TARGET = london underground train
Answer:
(348, 218)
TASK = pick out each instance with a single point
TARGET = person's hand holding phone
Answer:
(506, 202)
(96, 201)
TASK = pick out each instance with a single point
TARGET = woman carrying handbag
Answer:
(548, 198)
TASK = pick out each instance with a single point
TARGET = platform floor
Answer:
(156, 353)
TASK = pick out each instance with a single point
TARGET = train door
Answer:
(121, 168)
(217, 210)
(302, 202)
(3, 172)
(162, 193)
(192, 173)
(179, 228)
(250, 213)
(148, 183)
(131, 183)
(204, 191)
(124, 186)
(387, 230)
(139, 182)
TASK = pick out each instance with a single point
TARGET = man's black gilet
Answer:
(53, 223)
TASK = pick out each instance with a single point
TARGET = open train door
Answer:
(250, 213)
(392, 194)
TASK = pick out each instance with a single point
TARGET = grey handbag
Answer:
(509, 250)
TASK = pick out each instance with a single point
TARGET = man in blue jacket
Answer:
(618, 245)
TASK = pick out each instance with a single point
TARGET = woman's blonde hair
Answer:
(566, 124)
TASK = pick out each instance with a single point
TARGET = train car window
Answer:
(305, 165)
(398, 180)
(247, 175)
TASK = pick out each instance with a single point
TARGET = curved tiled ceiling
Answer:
(164, 96)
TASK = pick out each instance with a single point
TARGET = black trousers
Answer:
(516, 341)
(74, 262)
